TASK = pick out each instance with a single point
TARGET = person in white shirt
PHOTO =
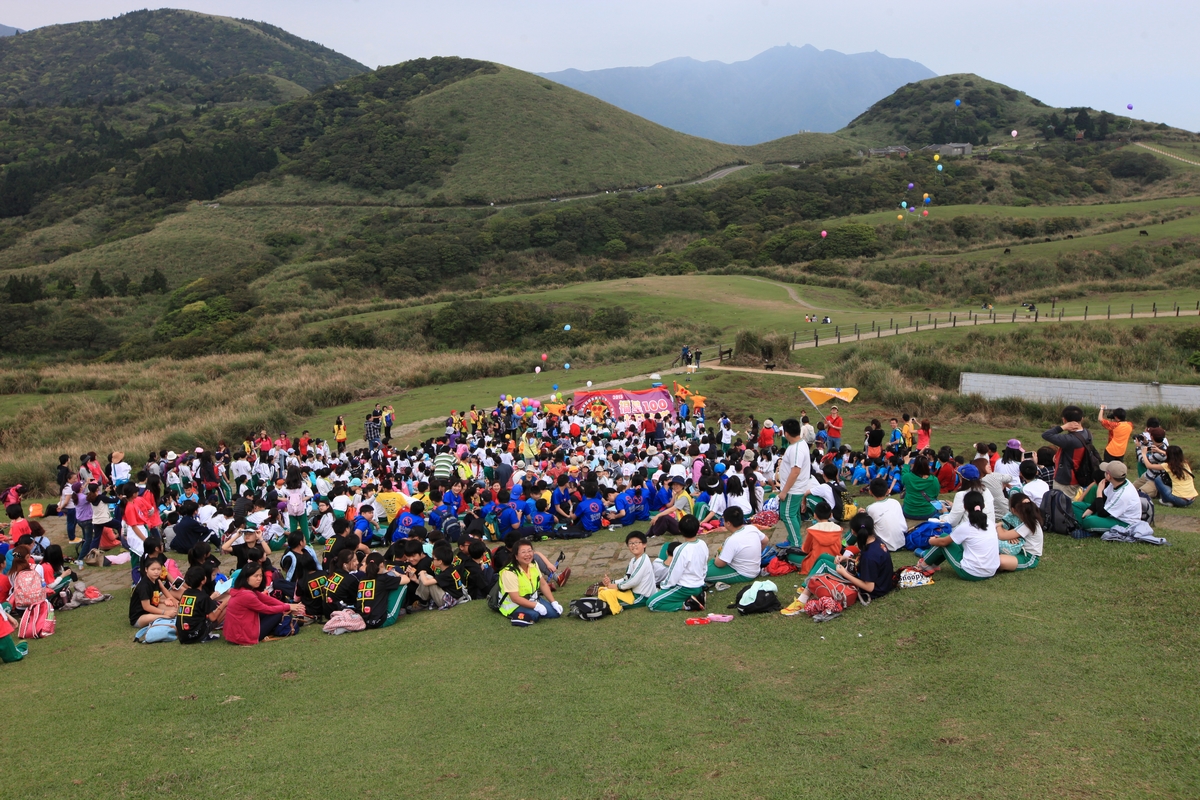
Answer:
(1021, 548)
(888, 516)
(740, 560)
(638, 584)
(971, 483)
(1032, 486)
(1116, 501)
(687, 568)
(794, 476)
(972, 549)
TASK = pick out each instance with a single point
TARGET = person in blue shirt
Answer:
(625, 508)
(896, 443)
(364, 525)
(560, 501)
(453, 496)
(860, 475)
(590, 511)
(439, 509)
(406, 521)
(662, 498)
(509, 519)
(683, 410)
(639, 500)
(541, 519)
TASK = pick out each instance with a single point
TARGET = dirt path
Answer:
(764, 371)
(791, 293)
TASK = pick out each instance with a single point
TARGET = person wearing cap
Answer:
(119, 470)
(970, 481)
(833, 429)
(680, 506)
(1010, 460)
(1111, 502)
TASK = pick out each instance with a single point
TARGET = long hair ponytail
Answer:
(973, 503)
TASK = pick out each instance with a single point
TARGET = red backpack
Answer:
(27, 589)
(37, 622)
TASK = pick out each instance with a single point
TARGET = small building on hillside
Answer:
(947, 150)
(892, 150)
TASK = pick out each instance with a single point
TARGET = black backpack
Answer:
(764, 603)
(494, 599)
(589, 608)
(452, 528)
(1088, 471)
(1059, 515)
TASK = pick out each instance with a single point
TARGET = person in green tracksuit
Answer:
(683, 586)
(740, 560)
(795, 474)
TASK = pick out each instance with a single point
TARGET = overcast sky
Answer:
(1099, 53)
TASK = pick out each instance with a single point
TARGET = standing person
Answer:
(389, 419)
(66, 506)
(1071, 439)
(924, 434)
(298, 493)
(833, 429)
(696, 358)
(794, 476)
(339, 434)
(1119, 433)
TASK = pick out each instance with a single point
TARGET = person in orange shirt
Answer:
(1119, 432)
(823, 537)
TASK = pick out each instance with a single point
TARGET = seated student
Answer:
(823, 537)
(1182, 491)
(560, 501)
(374, 589)
(151, 598)
(666, 522)
(198, 613)
(438, 509)
(341, 583)
(638, 585)
(921, 489)
(527, 595)
(542, 520)
(342, 540)
(1032, 486)
(1111, 502)
(298, 567)
(252, 615)
(870, 572)
(972, 548)
(477, 566)
(637, 500)
(887, 515)
(238, 541)
(971, 481)
(860, 473)
(683, 586)
(740, 560)
(365, 527)
(590, 511)
(442, 586)
(189, 532)
(1021, 547)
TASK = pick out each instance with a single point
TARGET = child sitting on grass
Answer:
(638, 585)
(199, 615)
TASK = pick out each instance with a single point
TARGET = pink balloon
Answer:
(537, 369)
(1014, 134)
(824, 234)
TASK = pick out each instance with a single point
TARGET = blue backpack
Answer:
(918, 537)
(161, 630)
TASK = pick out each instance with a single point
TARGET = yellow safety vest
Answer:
(527, 586)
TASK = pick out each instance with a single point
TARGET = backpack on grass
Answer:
(757, 598)
(37, 622)
(589, 608)
(1060, 515)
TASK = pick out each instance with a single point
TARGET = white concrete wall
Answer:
(1091, 393)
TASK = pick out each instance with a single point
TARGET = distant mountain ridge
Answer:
(137, 52)
(6, 30)
(777, 93)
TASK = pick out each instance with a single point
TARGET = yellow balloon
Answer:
(926, 197)
(899, 216)
(937, 158)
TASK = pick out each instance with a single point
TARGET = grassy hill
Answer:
(924, 113)
(137, 52)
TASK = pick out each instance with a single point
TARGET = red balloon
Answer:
(544, 356)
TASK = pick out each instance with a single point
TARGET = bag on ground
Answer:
(1059, 515)
(757, 598)
(589, 608)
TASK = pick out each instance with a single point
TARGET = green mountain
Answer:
(926, 112)
(110, 60)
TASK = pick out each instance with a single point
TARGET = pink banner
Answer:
(623, 402)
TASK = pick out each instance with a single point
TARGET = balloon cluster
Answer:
(521, 405)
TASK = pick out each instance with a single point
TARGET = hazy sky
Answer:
(1099, 53)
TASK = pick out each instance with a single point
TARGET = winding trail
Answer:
(1168, 155)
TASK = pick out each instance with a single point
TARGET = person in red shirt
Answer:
(833, 428)
(283, 443)
(303, 444)
(766, 438)
(251, 615)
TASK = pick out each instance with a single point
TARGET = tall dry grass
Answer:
(180, 403)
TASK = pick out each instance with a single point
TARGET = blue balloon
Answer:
(928, 200)
(939, 167)
(566, 366)
(904, 204)
(566, 327)
(958, 102)
(555, 387)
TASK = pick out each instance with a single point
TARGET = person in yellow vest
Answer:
(473, 418)
(339, 433)
(527, 596)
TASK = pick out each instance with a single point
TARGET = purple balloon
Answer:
(1130, 106)
(910, 186)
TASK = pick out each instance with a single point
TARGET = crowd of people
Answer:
(357, 538)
